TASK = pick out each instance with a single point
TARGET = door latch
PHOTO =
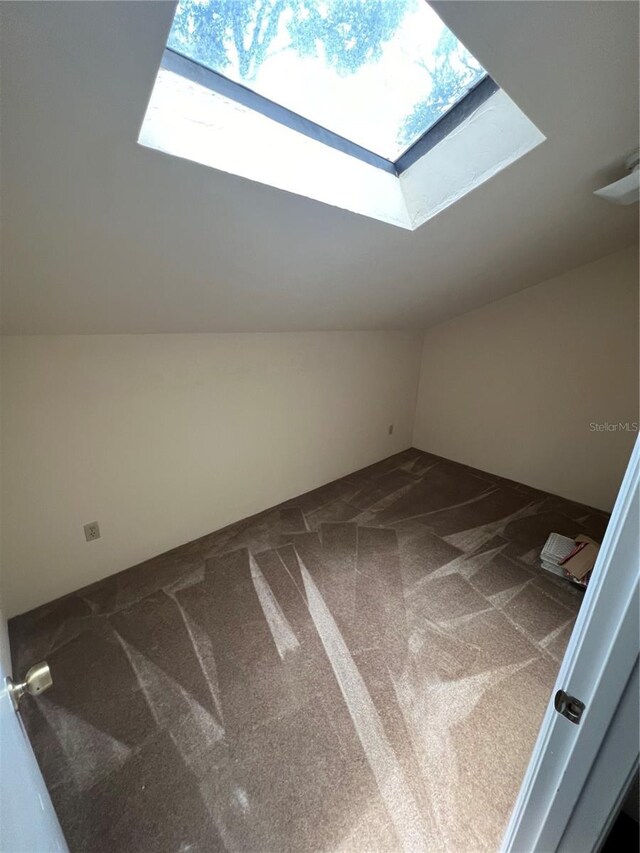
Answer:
(36, 681)
(568, 706)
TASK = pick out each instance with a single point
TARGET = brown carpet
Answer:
(363, 668)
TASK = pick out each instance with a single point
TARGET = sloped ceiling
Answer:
(101, 235)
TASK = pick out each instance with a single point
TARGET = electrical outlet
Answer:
(390, 429)
(92, 531)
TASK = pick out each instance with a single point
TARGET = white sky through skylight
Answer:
(377, 72)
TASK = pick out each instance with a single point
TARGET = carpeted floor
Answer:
(363, 668)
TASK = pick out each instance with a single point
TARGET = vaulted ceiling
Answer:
(101, 235)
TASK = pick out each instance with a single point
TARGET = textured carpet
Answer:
(363, 668)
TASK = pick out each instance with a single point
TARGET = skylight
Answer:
(378, 73)
(373, 106)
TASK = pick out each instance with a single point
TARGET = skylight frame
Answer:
(192, 70)
(188, 121)
(481, 91)
(197, 72)
(198, 114)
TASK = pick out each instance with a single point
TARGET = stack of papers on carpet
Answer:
(582, 559)
(556, 549)
(572, 559)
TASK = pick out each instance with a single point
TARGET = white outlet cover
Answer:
(91, 531)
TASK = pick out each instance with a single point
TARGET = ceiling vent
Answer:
(627, 189)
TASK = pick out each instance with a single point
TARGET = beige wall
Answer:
(513, 387)
(163, 438)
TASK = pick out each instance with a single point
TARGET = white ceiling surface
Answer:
(102, 235)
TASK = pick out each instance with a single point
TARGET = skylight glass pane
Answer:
(377, 72)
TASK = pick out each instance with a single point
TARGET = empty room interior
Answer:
(319, 381)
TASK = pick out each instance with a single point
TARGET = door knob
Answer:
(36, 681)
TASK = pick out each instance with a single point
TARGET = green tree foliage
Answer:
(346, 33)
(452, 70)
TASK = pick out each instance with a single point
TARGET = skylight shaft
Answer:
(376, 72)
(352, 103)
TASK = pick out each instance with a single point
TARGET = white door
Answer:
(578, 771)
(28, 823)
